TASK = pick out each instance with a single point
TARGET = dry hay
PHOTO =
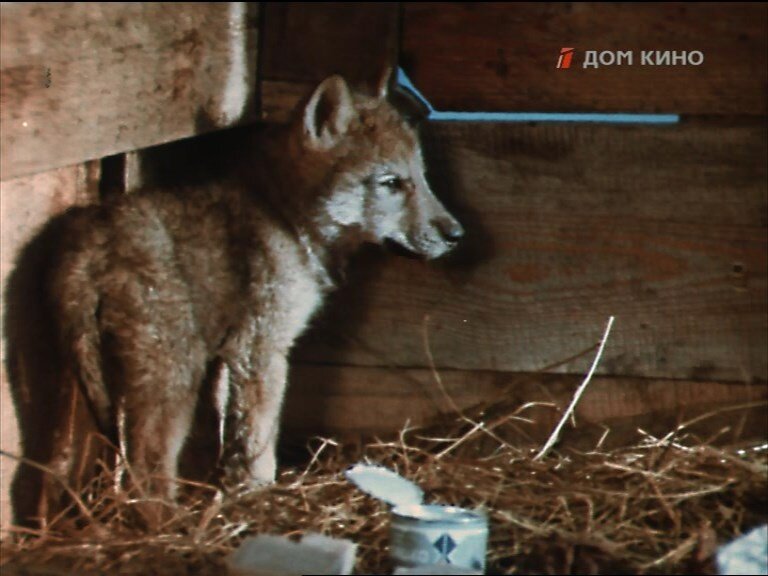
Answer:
(659, 506)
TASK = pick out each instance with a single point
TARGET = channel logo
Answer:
(564, 61)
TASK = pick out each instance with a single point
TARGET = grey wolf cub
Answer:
(157, 292)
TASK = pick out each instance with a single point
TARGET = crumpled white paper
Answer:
(748, 554)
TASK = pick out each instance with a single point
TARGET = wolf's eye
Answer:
(391, 181)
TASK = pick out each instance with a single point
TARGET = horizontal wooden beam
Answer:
(346, 401)
(83, 81)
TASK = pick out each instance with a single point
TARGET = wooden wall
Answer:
(477, 56)
(87, 80)
(664, 227)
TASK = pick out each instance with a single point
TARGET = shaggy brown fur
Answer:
(156, 292)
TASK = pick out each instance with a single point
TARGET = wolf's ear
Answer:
(385, 80)
(328, 113)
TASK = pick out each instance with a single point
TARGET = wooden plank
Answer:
(348, 402)
(279, 99)
(82, 81)
(663, 228)
(308, 41)
(498, 56)
(25, 205)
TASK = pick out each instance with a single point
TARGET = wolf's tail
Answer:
(75, 301)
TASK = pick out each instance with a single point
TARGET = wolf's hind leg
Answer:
(155, 431)
(156, 363)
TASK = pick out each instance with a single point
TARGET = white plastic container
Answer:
(425, 534)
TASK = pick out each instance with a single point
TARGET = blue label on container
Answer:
(445, 545)
(423, 545)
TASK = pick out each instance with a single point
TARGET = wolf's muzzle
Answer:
(450, 230)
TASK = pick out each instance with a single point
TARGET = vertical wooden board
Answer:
(84, 81)
(280, 98)
(566, 225)
(308, 41)
(25, 205)
(502, 56)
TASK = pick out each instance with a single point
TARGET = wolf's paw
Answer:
(243, 479)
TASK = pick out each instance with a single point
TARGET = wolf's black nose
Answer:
(450, 230)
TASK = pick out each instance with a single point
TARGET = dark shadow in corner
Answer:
(34, 366)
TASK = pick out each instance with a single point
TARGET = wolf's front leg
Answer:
(253, 420)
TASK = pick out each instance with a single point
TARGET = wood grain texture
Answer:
(497, 56)
(280, 98)
(308, 41)
(665, 228)
(82, 81)
(346, 401)
(25, 205)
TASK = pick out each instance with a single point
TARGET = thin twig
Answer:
(556, 432)
(433, 367)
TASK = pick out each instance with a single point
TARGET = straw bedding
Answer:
(659, 506)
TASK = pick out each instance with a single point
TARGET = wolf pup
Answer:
(159, 290)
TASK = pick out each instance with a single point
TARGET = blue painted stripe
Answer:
(555, 117)
(608, 118)
(403, 80)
